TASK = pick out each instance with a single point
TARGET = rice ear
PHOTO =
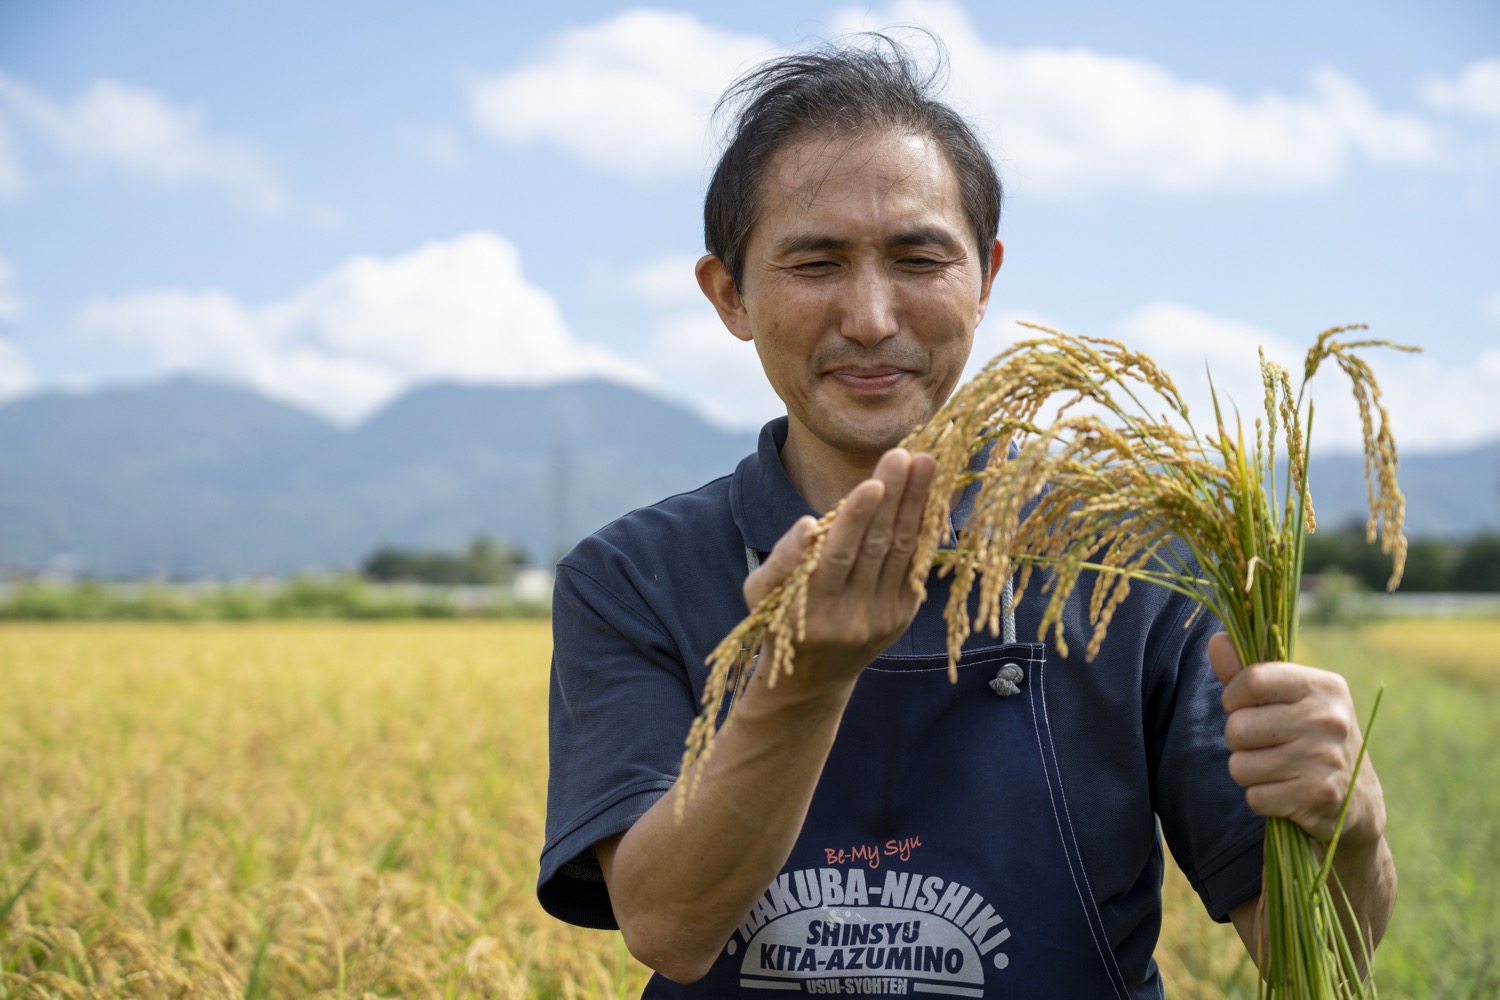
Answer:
(1102, 491)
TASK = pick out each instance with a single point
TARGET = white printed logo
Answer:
(815, 931)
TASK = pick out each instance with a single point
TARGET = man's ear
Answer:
(997, 257)
(718, 286)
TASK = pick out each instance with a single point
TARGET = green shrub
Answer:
(1336, 601)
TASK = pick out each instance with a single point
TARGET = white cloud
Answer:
(696, 359)
(631, 94)
(1441, 406)
(436, 145)
(15, 373)
(11, 305)
(1194, 346)
(1474, 92)
(1183, 340)
(133, 130)
(12, 177)
(689, 349)
(702, 362)
(1072, 120)
(997, 332)
(352, 340)
(668, 281)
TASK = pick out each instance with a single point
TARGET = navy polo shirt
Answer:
(640, 604)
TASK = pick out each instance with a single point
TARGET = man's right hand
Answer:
(859, 599)
(679, 889)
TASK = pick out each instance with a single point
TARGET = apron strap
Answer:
(1008, 609)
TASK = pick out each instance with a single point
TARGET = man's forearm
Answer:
(1365, 869)
(680, 888)
(1366, 879)
(1367, 876)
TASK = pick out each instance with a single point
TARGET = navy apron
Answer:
(937, 857)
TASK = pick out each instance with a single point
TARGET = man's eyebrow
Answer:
(811, 243)
(926, 236)
(937, 236)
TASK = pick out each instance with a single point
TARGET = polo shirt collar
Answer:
(763, 500)
(765, 504)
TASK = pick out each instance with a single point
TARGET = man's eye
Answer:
(814, 266)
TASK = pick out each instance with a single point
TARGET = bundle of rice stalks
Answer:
(1121, 484)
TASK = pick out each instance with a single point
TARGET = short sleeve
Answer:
(619, 708)
(1215, 837)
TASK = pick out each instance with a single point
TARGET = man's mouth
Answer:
(868, 379)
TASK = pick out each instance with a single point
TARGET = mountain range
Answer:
(191, 478)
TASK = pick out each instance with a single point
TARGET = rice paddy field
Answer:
(355, 810)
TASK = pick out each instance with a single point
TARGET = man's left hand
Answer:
(1294, 738)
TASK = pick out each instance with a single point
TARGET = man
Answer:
(864, 827)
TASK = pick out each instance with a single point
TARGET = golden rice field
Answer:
(355, 810)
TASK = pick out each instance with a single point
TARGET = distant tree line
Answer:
(347, 597)
(1433, 565)
(392, 582)
(484, 562)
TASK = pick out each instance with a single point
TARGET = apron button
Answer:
(1008, 681)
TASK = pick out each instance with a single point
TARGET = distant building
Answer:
(533, 583)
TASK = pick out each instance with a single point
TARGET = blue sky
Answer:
(335, 202)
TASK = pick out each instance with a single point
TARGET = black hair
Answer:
(871, 83)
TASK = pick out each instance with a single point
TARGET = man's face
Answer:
(861, 289)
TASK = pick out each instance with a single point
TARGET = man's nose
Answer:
(870, 309)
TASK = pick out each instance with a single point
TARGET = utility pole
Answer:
(562, 484)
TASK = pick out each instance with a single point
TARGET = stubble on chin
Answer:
(872, 436)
